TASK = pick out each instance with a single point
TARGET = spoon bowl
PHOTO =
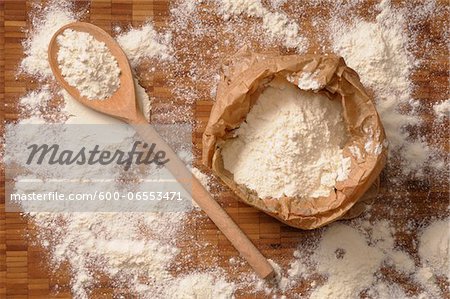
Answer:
(122, 103)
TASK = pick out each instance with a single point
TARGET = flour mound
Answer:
(434, 247)
(200, 285)
(290, 145)
(343, 254)
(378, 51)
(88, 65)
(351, 257)
(144, 42)
(35, 46)
(442, 110)
(277, 26)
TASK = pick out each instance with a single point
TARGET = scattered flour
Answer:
(277, 25)
(87, 64)
(277, 3)
(442, 110)
(343, 255)
(36, 99)
(289, 148)
(122, 254)
(280, 281)
(356, 152)
(351, 257)
(78, 114)
(204, 180)
(229, 8)
(145, 42)
(434, 247)
(378, 52)
(384, 290)
(113, 243)
(45, 25)
(200, 285)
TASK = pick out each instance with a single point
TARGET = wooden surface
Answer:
(24, 272)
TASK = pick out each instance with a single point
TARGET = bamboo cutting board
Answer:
(24, 271)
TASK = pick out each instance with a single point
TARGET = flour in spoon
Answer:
(88, 65)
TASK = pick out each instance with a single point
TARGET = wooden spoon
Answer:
(122, 104)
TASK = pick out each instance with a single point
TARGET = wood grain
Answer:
(24, 271)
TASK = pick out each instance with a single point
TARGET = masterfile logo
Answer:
(102, 168)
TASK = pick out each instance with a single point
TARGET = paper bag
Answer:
(243, 79)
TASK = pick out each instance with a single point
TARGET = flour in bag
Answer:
(289, 145)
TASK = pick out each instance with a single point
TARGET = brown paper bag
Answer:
(245, 76)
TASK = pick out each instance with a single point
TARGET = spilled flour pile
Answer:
(352, 256)
(379, 52)
(289, 145)
(350, 261)
(87, 64)
(442, 110)
(350, 264)
(276, 25)
(434, 247)
(141, 43)
(123, 255)
(35, 62)
(200, 285)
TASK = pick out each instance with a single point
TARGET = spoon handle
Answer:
(202, 197)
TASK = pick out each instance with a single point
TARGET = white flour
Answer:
(88, 65)
(276, 25)
(113, 243)
(434, 247)
(145, 42)
(80, 115)
(199, 286)
(442, 110)
(54, 16)
(308, 81)
(378, 52)
(122, 254)
(36, 99)
(289, 147)
(343, 255)
(352, 256)
(204, 180)
(229, 8)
